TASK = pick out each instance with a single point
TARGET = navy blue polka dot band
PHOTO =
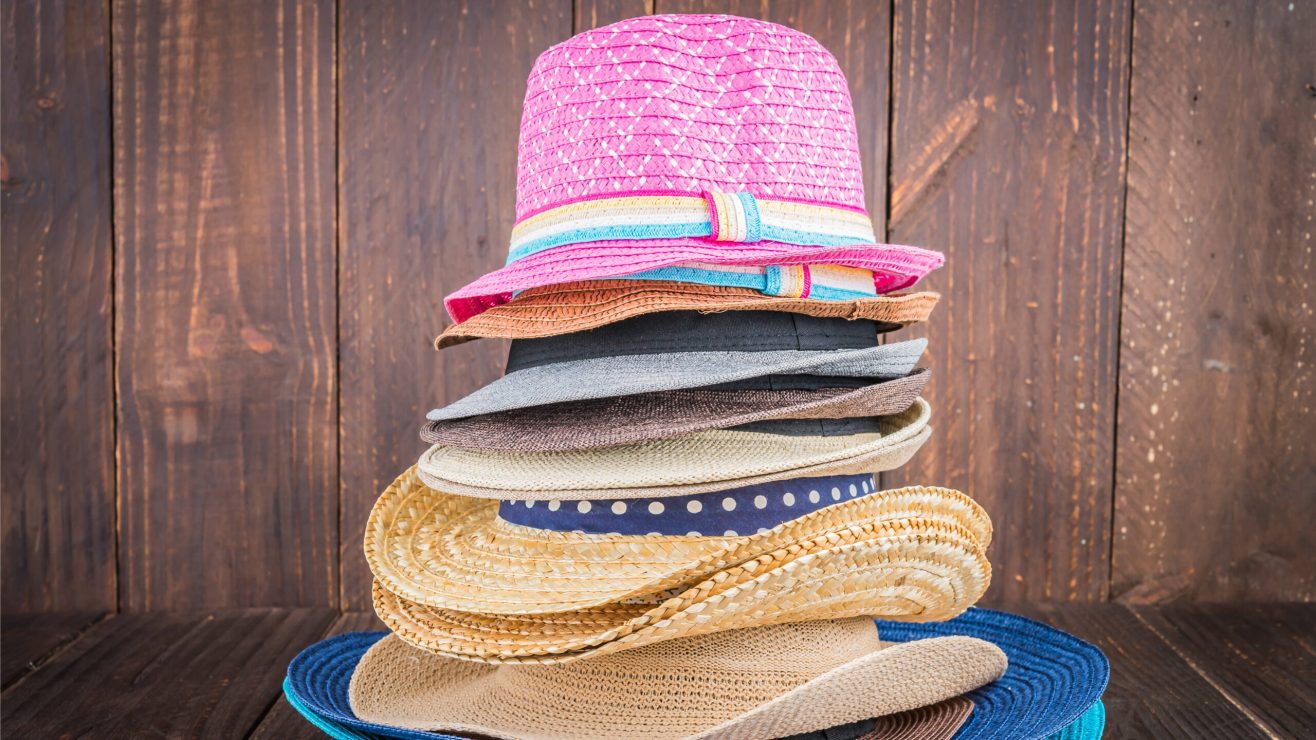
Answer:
(739, 511)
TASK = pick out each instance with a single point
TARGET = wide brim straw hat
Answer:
(689, 464)
(604, 377)
(552, 310)
(1053, 681)
(916, 570)
(458, 553)
(320, 695)
(666, 145)
(609, 422)
(757, 683)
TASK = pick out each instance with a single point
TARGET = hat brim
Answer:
(605, 377)
(455, 552)
(552, 310)
(910, 570)
(491, 701)
(644, 417)
(1054, 678)
(690, 464)
(895, 267)
(319, 687)
(933, 722)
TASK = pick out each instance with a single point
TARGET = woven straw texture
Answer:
(910, 569)
(688, 103)
(319, 678)
(938, 721)
(552, 310)
(454, 552)
(1053, 678)
(317, 687)
(332, 728)
(605, 377)
(693, 463)
(609, 422)
(755, 683)
(682, 105)
(1089, 726)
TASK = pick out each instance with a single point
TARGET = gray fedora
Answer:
(677, 350)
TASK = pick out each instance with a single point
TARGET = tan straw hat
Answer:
(551, 310)
(455, 552)
(608, 422)
(753, 683)
(913, 570)
(692, 463)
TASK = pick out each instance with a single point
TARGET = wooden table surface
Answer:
(1223, 671)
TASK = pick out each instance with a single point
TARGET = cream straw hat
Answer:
(458, 553)
(913, 569)
(752, 683)
(692, 463)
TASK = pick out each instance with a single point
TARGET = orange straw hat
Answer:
(552, 310)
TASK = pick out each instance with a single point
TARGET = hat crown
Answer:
(687, 104)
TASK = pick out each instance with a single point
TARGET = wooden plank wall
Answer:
(228, 229)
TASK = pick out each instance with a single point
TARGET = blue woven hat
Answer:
(1054, 681)
(317, 684)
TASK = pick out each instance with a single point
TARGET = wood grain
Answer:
(32, 639)
(283, 722)
(1153, 691)
(1216, 471)
(858, 34)
(57, 433)
(429, 112)
(589, 14)
(204, 675)
(225, 301)
(1007, 152)
(1262, 656)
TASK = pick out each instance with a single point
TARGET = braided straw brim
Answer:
(693, 463)
(908, 570)
(643, 417)
(551, 310)
(454, 552)
(756, 683)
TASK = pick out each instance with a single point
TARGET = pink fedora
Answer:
(704, 148)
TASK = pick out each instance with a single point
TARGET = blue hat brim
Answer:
(1052, 681)
(317, 687)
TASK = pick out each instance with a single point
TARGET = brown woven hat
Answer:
(455, 552)
(692, 463)
(753, 683)
(551, 310)
(938, 721)
(914, 570)
(643, 417)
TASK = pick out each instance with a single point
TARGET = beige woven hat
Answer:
(456, 552)
(753, 683)
(911, 570)
(691, 463)
(551, 310)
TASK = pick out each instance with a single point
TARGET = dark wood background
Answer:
(228, 228)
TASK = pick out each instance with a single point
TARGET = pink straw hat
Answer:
(695, 147)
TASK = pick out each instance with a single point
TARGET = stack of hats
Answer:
(664, 520)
